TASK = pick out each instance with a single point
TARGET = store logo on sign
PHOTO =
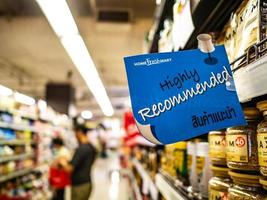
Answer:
(149, 62)
(181, 96)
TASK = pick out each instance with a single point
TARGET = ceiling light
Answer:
(24, 99)
(59, 16)
(75, 47)
(86, 114)
(158, 2)
(4, 91)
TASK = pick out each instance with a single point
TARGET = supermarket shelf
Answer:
(15, 142)
(15, 174)
(168, 190)
(210, 16)
(16, 157)
(149, 186)
(134, 184)
(163, 11)
(18, 127)
(30, 117)
(250, 81)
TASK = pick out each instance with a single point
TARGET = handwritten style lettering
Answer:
(156, 109)
(179, 79)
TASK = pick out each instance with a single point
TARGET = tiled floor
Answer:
(108, 183)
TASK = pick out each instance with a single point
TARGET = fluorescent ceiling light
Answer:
(59, 16)
(158, 2)
(78, 52)
(24, 99)
(86, 114)
(4, 91)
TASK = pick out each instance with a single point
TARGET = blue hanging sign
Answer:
(180, 95)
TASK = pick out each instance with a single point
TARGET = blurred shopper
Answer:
(102, 136)
(81, 165)
(58, 177)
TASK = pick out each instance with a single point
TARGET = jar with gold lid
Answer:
(217, 147)
(262, 138)
(219, 183)
(241, 143)
(246, 187)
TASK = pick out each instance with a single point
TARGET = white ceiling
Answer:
(31, 55)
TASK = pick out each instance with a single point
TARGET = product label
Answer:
(179, 159)
(189, 162)
(200, 167)
(217, 195)
(217, 147)
(237, 148)
(262, 149)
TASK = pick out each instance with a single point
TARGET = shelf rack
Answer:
(250, 72)
(167, 189)
(17, 127)
(15, 174)
(16, 142)
(148, 186)
(16, 157)
(208, 16)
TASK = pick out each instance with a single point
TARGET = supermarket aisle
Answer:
(108, 184)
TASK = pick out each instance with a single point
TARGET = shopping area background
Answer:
(66, 125)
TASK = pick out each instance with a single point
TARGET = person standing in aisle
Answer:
(80, 166)
(59, 179)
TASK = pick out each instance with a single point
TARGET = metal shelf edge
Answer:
(15, 174)
(166, 189)
(250, 81)
(16, 157)
(152, 189)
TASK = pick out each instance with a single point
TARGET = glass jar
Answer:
(263, 181)
(262, 138)
(217, 149)
(246, 187)
(219, 183)
(241, 143)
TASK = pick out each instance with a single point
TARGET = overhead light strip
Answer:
(61, 20)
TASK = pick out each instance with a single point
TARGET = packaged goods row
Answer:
(225, 164)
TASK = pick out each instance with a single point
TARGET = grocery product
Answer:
(219, 183)
(263, 181)
(241, 148)
(246, 187)
(203, 168)
(165, 43)
(262, 138)
(153, 165)
(242, 30)
(180, 159)
(192, 165)
(217, 147)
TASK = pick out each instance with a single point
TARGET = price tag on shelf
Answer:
(179, 95)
